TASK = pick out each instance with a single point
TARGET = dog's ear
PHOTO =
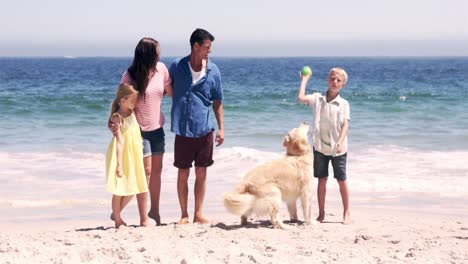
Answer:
(302, 146)
(286, 141)
(298, 147)
(294, 148)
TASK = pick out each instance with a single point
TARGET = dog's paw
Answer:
(244, 220)
(281, 226)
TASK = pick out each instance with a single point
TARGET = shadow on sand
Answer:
(102, 228)
(256, 224)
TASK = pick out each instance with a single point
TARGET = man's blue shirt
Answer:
(191, 114)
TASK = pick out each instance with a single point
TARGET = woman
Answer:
(151, 79)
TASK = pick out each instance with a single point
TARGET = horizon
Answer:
(52, 28)
(250, 57)
(219, 49)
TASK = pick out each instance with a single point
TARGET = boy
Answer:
(330, 136)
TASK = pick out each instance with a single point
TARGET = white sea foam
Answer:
(51, 203)
(398, 169)
(53, 179)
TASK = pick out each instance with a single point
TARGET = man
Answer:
(196, 87)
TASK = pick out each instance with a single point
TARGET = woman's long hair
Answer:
(123, 91)
(144, 63)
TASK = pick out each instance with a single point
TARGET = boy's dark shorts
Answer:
(153, 142)
(321, 165)
(188, 150)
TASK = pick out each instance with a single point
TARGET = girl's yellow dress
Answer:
(133, 180)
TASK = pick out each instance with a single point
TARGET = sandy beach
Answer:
(375, 236)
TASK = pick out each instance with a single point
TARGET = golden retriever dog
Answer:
(286, 179)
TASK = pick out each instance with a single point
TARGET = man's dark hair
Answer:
(199, 35)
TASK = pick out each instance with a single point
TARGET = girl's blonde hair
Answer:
(339, 71)
(124, 90)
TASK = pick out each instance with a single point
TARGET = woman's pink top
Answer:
(148, 108)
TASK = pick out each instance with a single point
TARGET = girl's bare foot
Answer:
(144, 224)
(155, 217)
(183, 221)
(119, 223)
(199, 218)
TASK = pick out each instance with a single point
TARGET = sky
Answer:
(91, 28)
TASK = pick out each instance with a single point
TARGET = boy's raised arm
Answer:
(302, 97)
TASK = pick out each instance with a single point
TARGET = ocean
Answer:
(408, 137)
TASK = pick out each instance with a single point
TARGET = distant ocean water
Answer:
(408, 130)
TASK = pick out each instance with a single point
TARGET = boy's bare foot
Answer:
(320, 218)
(346, 218)
(155, 217)
(200, 219)
(183, 221)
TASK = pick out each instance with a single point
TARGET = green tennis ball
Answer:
(306, 70)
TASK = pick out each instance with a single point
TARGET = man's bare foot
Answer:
(183, 221)
(200, 219)
(346, 218)
(320, 218)
(155, 217)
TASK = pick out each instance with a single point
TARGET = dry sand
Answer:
(375, 236)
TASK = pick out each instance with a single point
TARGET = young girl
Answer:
(124, 166)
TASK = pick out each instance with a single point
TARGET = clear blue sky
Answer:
(241, 27)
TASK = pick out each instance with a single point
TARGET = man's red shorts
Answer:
(188, 150)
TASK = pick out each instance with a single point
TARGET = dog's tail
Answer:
(238, 202)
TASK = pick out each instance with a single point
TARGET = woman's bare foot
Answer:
(155, 217)
(199, 218)
(346, 218)
(183, 221)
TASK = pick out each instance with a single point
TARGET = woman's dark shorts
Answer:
(321, 165)
(153, 142)
(187, 150)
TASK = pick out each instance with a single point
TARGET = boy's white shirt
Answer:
(338, 111)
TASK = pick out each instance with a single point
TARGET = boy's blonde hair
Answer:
(124, 90)
(339, 71)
